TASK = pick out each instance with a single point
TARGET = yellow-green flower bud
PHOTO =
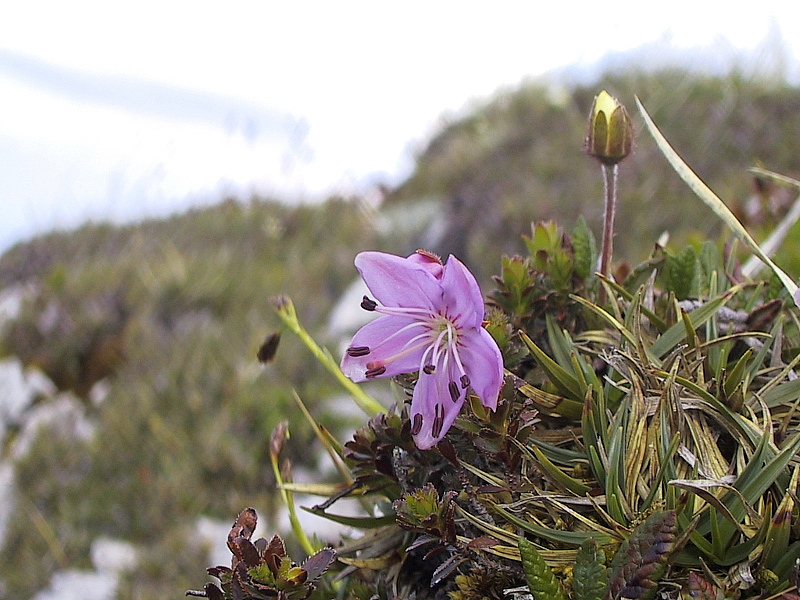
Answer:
(610, 137)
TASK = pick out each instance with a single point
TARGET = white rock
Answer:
(113, 556)
(73, 584)
(214, 535)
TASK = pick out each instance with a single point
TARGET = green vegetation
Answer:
(171, 313)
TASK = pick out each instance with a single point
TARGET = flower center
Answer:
(437, 338)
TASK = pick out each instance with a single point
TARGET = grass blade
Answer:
(712, 200)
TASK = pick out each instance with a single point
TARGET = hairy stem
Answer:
(609, 211)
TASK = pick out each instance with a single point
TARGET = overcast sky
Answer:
(124, 109)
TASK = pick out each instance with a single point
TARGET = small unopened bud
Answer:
(610, 137)
(279, 436)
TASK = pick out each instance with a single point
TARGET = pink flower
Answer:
(432, 323)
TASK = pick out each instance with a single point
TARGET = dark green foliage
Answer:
(590, 576)
(584, 249)
(423, 511)
(680, 272)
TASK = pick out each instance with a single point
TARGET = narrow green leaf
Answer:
(787, 562)
(610, 319)
(572, 538)
(736, 375)
(777, 541)
(615, 480)
(566, 382)
(783, 393)
(677, 333)
(358, 522)
(569, 483)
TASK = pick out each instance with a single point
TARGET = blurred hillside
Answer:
(154, 327)
(168, 316)
(519, 157)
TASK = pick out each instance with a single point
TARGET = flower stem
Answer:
(285, 309)
(288, 501)
(609, 211)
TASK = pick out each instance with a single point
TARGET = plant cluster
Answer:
(644, 440)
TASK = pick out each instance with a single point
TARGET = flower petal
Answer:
(462, 295)
(432, 400)
(399, 282)
(387, 339)
(428, 261)
(483, 364)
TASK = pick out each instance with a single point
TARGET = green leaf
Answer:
(565, 381)
(736, 375)
(677, 333)
(584, 249)
(572, 538)
(590, 573)
(567, 482)
(777, 541)
(680, 272)
(541, 580)
(358, 522)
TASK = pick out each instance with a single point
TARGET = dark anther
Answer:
(438, 422)
(368, 303)
(428, 369)
(375, 371)
(454, 393)
(416, 426)
(464, 382)
(358, 351)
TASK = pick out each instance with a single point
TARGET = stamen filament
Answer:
(397, 311)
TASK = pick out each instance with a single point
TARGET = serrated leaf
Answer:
(700, 589)
(584, 249)
(640, 562)
(541, 580)
(680, 272)
(590, 574)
